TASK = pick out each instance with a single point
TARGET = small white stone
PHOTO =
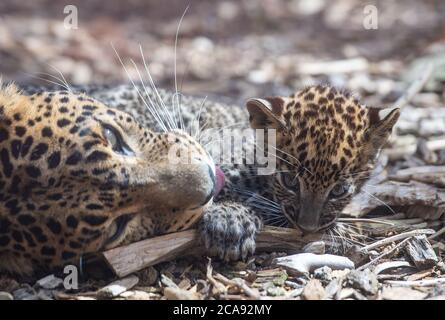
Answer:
(50, 282)
(6, 296)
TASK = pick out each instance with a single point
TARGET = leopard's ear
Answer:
(266, 113)
(381, 123)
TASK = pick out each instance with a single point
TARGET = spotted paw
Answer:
(229, 232)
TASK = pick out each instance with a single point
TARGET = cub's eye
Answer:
(289, 180)
(339, 190)
(116, 141)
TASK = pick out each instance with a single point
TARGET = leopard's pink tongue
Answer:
(220, 179)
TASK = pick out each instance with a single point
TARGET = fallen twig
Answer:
(370, 263)
(218, 287)
(239, 283)
(395, 238)
(417, 283)
(437, 234)
(116, 288)
(390, 265)
(136, 256)
(365, 220)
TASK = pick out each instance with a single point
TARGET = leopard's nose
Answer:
(199, 184)
(212, 189)
(217, 179)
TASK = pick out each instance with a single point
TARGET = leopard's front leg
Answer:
(228, 230)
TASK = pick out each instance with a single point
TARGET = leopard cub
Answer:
(326, 144)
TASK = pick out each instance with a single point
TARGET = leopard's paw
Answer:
(229, 234)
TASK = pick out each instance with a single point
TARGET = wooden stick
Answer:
(240, 284)
(417, 283)
(396, 237)
(384, 254)
(139, 255)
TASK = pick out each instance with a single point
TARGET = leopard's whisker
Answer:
(153, 106)
(212, 141)
(367, 173)
(205, 124)
(285, 223)
(343, 240)
(379, 200)
(359, 228)
(158, 120)
(49, 81)
(59, 80)
(219, 129)
(272, 214)
(276, 221)
(276, 156)
(350, 228)
(256, 198)
(348, 242)
(263, 205)
(253, 172)
(365, 176)
(61, 74)
(251, 175)
(198, 132)
(175, 69)
(330, 239)
(152, 103)
(155, 90)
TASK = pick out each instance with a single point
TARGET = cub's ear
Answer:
(266, 113)
(381, 123)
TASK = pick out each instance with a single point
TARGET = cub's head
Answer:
(77, 177)
(326, 145)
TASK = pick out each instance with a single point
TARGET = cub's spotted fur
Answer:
(327, 143)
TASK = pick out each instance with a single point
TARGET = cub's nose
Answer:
(307, 228)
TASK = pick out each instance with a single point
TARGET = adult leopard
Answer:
(77, 177)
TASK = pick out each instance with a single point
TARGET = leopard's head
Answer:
(326, 145)
(78, 177)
